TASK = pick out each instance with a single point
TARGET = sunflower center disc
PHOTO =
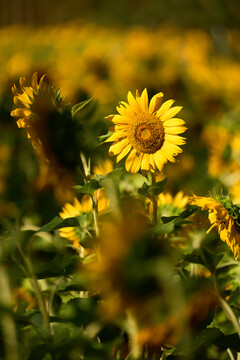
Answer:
(146, 133)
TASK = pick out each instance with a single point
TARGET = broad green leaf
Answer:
(204, 257)
(58, 223)
(161, 229)
(79, 106)
(215, 336)
(88, 188)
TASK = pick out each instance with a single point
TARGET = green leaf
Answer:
(79, 106)
(215, 336)
(150, 191)
(58, 223)
(161, 229)
(103, 138)
(39, 352)
(88, 188)
(204, 257)
(158, 188)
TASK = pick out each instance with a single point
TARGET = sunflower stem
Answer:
(154, 198)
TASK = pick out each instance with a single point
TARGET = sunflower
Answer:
(78, 208)
(224, 216)
(147, 132)
(72, 210)
(34, 101)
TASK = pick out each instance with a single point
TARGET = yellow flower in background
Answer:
(78, 208)
(169, 205)
(72, 210)
(179, 200)
(147, 132)
(224, 219)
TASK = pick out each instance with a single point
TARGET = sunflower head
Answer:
(34, 101)
(223, 215)
(147, 132)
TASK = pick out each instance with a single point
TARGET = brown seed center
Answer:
(146, 133)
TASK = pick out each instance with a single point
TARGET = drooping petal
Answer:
(155, 103)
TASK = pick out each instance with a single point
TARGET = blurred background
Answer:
(188, 50)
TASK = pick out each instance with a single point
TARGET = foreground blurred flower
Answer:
(224, 215)
(147, 131)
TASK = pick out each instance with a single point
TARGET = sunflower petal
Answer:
(118, 146)
(165, 106)
(170, 113)
(124, 152)
(155, 103)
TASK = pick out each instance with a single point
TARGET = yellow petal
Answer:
(155, 103)
(117, 147)
(34, 81)
(165, 106)
(174, 122)
(174, 129)
(160, 159)
(175, 139)
(116, 136)
(144, 101)
(120, 119)
(136, 163)
(124, 152)
(126, 111)
(133, 103)
(145, 162)
(130, 159)
(175, 149)
(170, 113)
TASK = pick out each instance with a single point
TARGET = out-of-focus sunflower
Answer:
(147, 132)
(34, 101)
(172, 205)
(223, 215)
(71, 210)
(78, 208)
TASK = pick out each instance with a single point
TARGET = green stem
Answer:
(154, 198)
(8, 324)
(37, 290)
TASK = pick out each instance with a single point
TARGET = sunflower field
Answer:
(119, 189)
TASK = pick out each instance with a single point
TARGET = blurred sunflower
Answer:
(172, 205)
(223, 215)
(35, 100)
(72, 210)
(77, 208)
(147, 132)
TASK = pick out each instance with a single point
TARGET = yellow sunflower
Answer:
(78, 208)
(224, 216)
(71, 210)
(147, 132)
